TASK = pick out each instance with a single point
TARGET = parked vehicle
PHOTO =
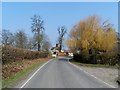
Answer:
(54, 54)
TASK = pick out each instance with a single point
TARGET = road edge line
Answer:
(92, 75)
(35, 73)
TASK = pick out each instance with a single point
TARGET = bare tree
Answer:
(38, 29)
(61, 31)
(46, 43)
(30, 44)
(21, 39)
(7, 37)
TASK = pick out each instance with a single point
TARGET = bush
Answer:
(107, 58)
(16, 54)
(118, 58)
(81, 58)
(77, 57)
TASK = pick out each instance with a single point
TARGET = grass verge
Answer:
(94, 65)
(7, 83)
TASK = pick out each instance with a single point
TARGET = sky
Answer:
(17, 15)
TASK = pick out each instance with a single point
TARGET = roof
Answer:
(68, 51)
(56, 48)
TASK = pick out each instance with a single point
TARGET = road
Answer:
(59, 73)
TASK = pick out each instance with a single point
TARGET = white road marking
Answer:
(35, 73)
(91, 75)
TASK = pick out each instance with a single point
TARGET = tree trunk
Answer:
(60, 48)
(38, 46)
(38, 40)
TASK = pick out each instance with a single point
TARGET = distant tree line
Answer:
(20, 39)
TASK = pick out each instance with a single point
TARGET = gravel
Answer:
(108, 75)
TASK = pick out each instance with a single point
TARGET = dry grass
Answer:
(11, 69)
(15, 72)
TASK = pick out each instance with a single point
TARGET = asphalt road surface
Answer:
(59, 73)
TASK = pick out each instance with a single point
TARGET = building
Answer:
(55, 50)
(68, 53)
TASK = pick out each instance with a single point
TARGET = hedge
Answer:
(107, 58)
(110, 58)
(10, 54)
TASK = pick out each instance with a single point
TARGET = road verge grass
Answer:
(94, 65)
(10, 82)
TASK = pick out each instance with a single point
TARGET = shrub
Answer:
(118, 58)
(110, 58)
(82, 58)
(107, 58)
